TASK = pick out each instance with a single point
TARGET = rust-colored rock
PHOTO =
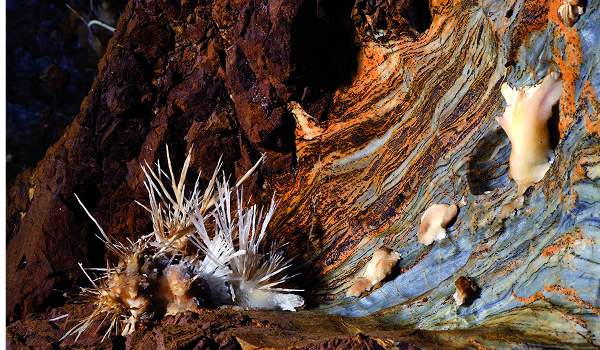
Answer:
(215, 76)
(394, 109)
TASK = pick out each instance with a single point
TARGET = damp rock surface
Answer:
(400, 105)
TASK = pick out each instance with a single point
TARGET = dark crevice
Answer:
(553, 123)
(324, 52)
(488, 167)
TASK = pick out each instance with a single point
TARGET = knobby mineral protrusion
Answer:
(465, 290)
(525, 122)
(380, 266)
(434, 222)
(570, 11)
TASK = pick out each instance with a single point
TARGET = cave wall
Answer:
(400, 102)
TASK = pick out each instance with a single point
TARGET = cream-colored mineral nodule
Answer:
(381, 265)
(570, 11)
(434, 222)
(178, 281)
(525, 122)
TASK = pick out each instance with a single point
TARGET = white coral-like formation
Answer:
(525, 122)
(202, 252)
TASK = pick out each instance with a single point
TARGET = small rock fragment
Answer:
(465, 290)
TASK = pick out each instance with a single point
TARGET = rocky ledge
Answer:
(369, 112)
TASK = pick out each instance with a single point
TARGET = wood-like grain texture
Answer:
(413, 126)
(416, 127)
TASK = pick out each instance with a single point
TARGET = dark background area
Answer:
(50, 68)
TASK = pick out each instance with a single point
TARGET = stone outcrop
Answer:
(395, 111)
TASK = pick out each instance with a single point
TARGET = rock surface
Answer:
(398, 112)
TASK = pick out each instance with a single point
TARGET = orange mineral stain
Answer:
(572, 296)
(592, 120)
(569, 66)
(531, 299)
(562, 243)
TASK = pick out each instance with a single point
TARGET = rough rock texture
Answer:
(224, 329)
(400, 101)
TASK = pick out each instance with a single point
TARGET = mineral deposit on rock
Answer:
(404, 98)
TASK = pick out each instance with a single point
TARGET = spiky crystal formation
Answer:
(185, 263)
(254, 276)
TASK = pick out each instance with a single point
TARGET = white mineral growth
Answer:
(434, 222)
(156, 273)
(525, 122)
(255, 277)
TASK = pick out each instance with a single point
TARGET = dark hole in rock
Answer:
(324, 52)
(22, 263)
(509, 63)
(418, 15)
(529, 191)
(281, 139)
(553, 127)
(488, 167)
(119, 342)
(62, 287)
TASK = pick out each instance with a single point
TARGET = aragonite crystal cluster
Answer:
(356, 159)
(202, 252)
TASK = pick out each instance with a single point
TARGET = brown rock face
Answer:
(368, 111)
(215, 76)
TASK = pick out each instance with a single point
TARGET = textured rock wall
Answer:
(433, 138)
(399, 104)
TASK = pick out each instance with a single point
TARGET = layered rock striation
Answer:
(369, 113)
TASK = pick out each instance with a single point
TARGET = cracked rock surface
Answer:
(396, 112)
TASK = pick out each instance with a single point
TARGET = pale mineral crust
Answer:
(400, 102)
(380, 266)
(434, 222)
